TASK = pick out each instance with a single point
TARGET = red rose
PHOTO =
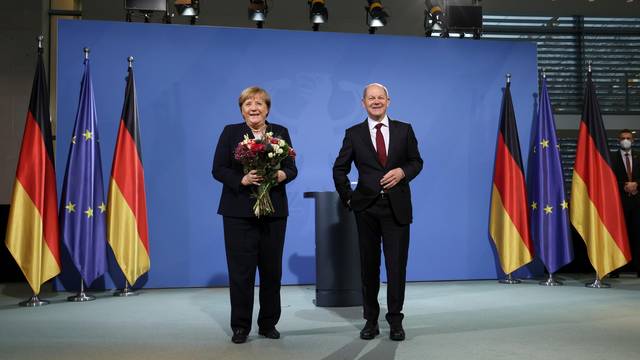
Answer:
(275, 140)
(257, 147)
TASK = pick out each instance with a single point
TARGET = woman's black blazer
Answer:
(236, 200)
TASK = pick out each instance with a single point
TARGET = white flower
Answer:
(279, 151)
(270, 155)
(281, 143)
(269, 134)
(275, 147)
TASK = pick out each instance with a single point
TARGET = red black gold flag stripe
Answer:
(596, 209)
(509, 223)
(127, 210)
(32, 230)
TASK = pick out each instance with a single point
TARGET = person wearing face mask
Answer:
(385, 153)
(250, 242)
(626, 166)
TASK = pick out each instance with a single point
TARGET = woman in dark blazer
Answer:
(252, 242)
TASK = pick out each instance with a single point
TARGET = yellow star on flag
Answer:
(564, 204)
(544, 143)
(534, 205)
(87, 135)
(548, 209)
(71, 207)
(102, 207)
(89, 212)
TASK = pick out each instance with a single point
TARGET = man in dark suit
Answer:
(385, 152)
(627, 169)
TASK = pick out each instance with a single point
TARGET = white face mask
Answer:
(625, 144)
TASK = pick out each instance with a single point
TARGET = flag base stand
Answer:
(81, 296)
(509, 280)
(34, 302)
(597, 284)
(126, 291)
(551, 281)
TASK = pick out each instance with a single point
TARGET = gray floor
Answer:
(444, 320)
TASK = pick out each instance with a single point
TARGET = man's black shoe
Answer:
(370, 330)
(396, 333)
(239, 336)
(271, 333)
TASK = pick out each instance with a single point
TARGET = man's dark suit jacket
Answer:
(358, 148)
(617, 163)
(236, 200)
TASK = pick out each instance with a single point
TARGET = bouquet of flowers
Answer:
(263, 155)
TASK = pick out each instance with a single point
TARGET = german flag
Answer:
(127, 213)
(32, 230)
(509, 224)
(596, 209)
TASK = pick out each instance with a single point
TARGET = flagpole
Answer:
(509, 280)
(551, 281)
(126, 291)
(597, 283)
(35, 301)
(81, 296)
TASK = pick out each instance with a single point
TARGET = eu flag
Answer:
(82, 206)
(548, 204)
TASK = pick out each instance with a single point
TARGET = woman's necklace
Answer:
(258, 134)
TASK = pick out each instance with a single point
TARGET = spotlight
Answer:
(318, 13)
(434, 19)
(258, 10)
(376, 16)
(189, 8)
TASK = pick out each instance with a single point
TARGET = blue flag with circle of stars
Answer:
(82, 206)
(548, 205)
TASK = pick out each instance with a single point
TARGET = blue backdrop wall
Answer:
(188, 81)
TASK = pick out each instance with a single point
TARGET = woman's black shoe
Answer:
(270, 334)
(370, 330)
(239, 336)
(397, 333)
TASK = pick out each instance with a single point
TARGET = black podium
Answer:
(337, 253)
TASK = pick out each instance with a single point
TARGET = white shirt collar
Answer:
(373, 123)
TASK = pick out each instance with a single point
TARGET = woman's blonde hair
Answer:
(252, 92)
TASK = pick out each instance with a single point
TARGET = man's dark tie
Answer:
(627, 162)
(380, 148)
